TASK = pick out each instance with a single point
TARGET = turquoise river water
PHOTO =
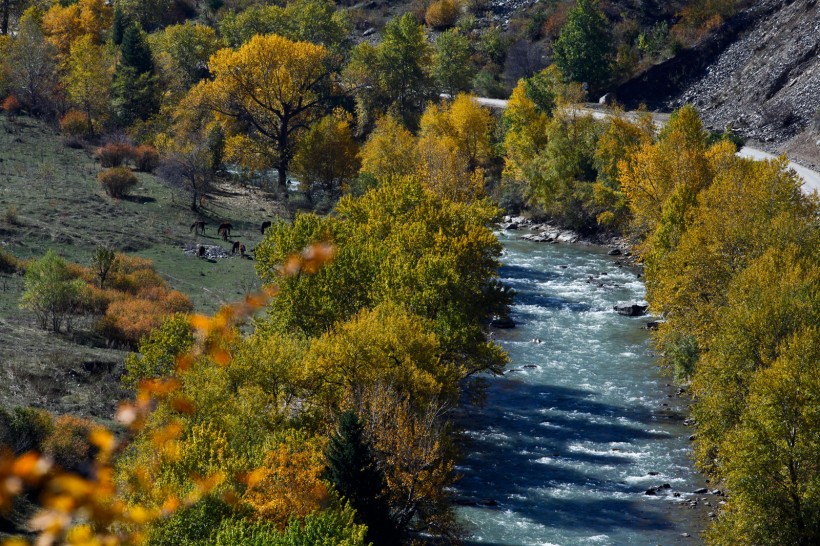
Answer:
(583, 423)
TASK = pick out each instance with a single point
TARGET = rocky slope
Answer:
(759, 74)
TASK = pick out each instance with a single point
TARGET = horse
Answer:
(199, 225)
(235, 248)
(242, 250)
(201, 251)
(265, 225)
(224, 230)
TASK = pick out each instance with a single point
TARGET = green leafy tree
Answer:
(451, 66)
(52, 292)
(582, 51)
(352, 470)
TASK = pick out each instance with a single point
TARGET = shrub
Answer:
(146, 158)
(11, 106)
(114, 154)
(118, 181)
(68, 443)
(128, 320)
(74, 124)
(10, 215)
(53, 292)
(24, 429)
(8, 263)
(442, 14)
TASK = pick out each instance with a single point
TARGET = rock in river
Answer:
(631, 310)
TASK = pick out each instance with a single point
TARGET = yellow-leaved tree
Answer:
(265, 94)
(90, 72)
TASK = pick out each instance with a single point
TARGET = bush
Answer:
(68, 443)
(118, 181)
(114, 154)
(53, 292)
(146, 158)
(11, 106)
(74, 124)
(442, 14)
(10, 215)
(8, 263)
(24, 429)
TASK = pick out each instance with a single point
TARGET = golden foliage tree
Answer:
(265, 94)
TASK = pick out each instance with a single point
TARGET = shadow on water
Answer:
(519, 272)
(524, 423)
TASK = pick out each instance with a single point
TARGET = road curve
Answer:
(811, 179)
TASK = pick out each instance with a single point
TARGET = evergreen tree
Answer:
(582, 51)
(135, 50)
(353, 471)
(117, 27)
(135, 86)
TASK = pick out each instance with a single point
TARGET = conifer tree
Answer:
(582, 50)
(353, 471)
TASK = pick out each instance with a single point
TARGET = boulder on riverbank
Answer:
(504, 322)
(631, 309)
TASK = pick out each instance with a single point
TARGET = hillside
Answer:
(759, 74)
(51, 200)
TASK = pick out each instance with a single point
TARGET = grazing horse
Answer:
(242, 250)
(224, 230)
(265, 225)
(199, 225)
(235, 248)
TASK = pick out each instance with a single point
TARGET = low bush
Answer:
(24, 429)
(8, 263)
(68, 443)
(442, 14)
(114, 154)
(117, 182)
(146, 158)
(74, 124)
(11, 106)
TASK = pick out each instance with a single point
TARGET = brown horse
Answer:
(199, 225)
(265, 225)
(224, 230)
(235, 248)
(242, 250)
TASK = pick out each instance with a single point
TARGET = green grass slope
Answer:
(50, 199)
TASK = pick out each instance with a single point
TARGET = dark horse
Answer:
(265, 225)
(224, 230)
(242, 250)
(235, 247)
(199, 225)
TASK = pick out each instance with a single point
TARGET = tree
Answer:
(389, 150)
(315, 21)
(136, 94)
(182, 53)
(66, 24)
(33, 70)
(265, 94)
(771, 459)
(89, 78)
(352, 470)
(192, 151)
(404, 56)
(52, 292)
(103, 261)
(392, 77)
(451, 66)
(582, 51)
(327, 156)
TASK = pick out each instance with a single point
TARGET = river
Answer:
(584, 423)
